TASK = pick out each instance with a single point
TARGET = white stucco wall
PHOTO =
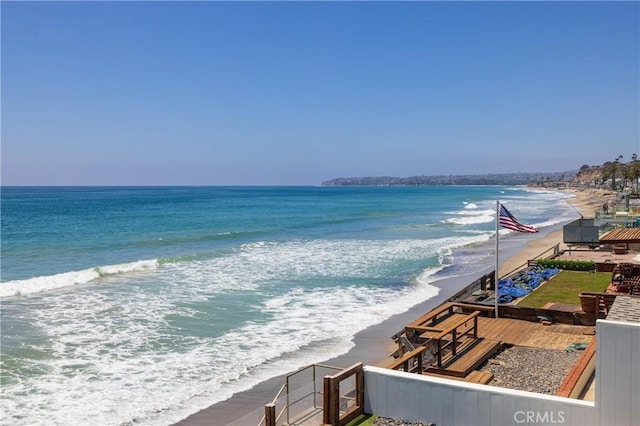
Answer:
(443, 402)
(618, 373)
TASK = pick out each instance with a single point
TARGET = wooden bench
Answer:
(444, 326)
(435, 321)
(620, 249)
(430, 318)
(460, 321)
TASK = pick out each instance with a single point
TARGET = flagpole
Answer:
(495, 277)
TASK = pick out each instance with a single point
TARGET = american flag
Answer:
(507, 220)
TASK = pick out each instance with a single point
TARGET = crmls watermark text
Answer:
(539, 417)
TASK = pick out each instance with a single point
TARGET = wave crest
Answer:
(65, 279)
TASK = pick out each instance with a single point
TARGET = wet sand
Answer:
(374, 345)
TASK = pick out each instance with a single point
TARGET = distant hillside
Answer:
(590, 175)
(614, 175)
(487, 179)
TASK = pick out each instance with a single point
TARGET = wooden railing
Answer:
(272, 416)
(430, 318)
(332, 414)
(411, 362)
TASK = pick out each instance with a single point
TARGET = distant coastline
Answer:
(481, 179)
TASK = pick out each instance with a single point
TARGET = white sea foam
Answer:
(262, 263)
(471, 217)
(475, 212)
(113, 352)
(52, 282)
(141, 265)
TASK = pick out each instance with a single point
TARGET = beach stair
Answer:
(482, 377)
(467, 359)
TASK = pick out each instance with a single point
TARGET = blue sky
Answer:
(294, 93)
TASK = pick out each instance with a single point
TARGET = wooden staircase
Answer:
(468, 358)
(449, 345)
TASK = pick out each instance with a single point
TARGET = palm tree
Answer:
(626, 174)
(614, 167)
(605, 172)
(634, 170)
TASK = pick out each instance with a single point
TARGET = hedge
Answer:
(571, 265)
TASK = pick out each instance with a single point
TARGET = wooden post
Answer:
(331, 400)
(475, 327)
(327, 401)
(454, 340)
(335, 401)
(270, 414)
(360, 386)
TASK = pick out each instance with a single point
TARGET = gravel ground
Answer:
(531, 369)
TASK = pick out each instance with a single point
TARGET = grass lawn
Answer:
(565, 288)
(363, 420)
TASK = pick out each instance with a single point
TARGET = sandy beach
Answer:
(585, 201)
(373, 345)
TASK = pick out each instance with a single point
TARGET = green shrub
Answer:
(571, 265)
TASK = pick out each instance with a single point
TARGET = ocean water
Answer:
(144, 305)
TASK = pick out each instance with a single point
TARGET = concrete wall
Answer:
(444, 402)
(428, 399)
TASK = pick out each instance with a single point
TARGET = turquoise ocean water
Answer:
(144, 305)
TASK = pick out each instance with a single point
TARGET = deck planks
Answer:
(512, 332)
(505, 330)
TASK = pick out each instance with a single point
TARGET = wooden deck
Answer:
(476, 339)
(513, 332)
(565, 307)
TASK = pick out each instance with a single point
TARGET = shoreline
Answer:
(374, 345)
(586, 202)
